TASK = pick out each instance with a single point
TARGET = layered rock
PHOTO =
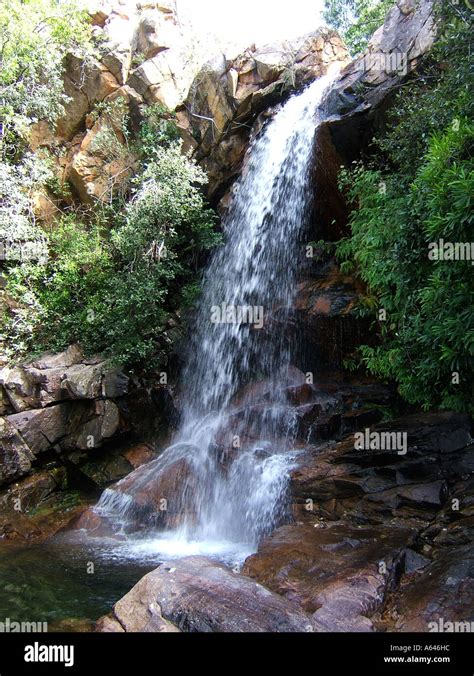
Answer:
(332, 572)
(57, 403)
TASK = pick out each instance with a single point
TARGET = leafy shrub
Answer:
(416, 190)
(429, 332)
(112, 290)
(34, 37)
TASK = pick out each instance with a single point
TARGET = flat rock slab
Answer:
(339, 573)
(196, 594)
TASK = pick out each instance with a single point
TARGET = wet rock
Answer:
(414, 561)
(92, 522)
(162, 499)
(48, 520)
(108, 624)
(325, 310)
(443, 592)
(139, 455)
(196, 594)
(339, 573)
(33, 490)
(374, 484)
(16, 526)
(71, 624)
(109, 469)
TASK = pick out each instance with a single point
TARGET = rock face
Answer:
(373, 485)
(329, 327)
(231, 96)
(196, 594)
(65, 412)
(334, 573)
(15, 456)
(231, 91)
(146, 57)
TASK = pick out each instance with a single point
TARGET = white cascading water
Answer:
(237, 439)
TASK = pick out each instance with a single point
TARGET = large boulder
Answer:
(196, 594)
(67, 425)
(62, 376)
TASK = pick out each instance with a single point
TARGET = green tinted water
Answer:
(50, 582)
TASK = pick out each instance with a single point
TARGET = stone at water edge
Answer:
(331, 570)
(196, 594)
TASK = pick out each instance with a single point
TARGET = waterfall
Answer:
(231, 458)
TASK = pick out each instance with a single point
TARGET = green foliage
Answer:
(20, 237)
(438, 97)
(356, 20)
(110, 277)
(159, 128)
(417, 190)
(34, 37)
(112, 290)
(429, 331)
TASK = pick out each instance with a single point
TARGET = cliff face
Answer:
(148, 59)
(147, 56)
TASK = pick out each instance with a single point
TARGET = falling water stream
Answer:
(235, 446)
